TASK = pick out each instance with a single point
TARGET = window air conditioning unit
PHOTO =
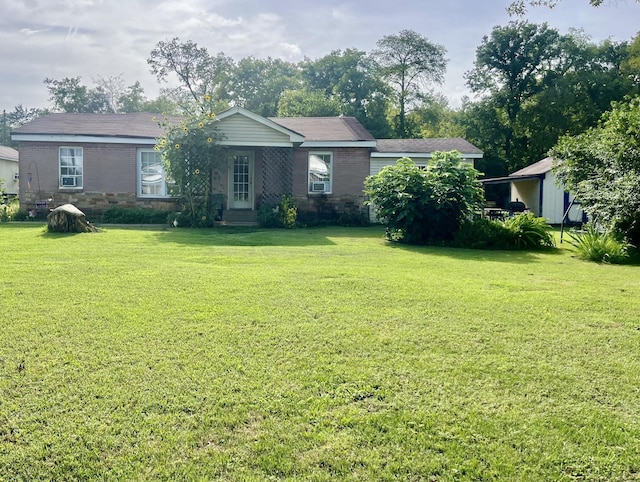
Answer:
(16, 176)
(69, 181)
(318, 187)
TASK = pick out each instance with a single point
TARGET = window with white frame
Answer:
(152, 181)
(70, 167)
(320, 172)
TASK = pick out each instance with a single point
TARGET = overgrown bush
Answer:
(529, 231)
(20, 215)
(9, 211)
(281, 215)
(523, 231)
(599, 246)
(482, 233)
(121, 215)
(425, 206)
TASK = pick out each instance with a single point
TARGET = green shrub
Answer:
(11, 212)
(425, 206)
(529, 231)
(20, 215)
(482, 233)
(281, 215)
(121, 215)
(599, 246)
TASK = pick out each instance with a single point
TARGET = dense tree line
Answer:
(531, 86)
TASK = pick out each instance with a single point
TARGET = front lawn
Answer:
(320, 354)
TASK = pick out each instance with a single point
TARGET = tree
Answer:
(134, 100)
(602, 168)
(14, 119)
(70, 95)
(349, 77)
(192, 155)
(258, 84)
(307, 103)
(408, 62)
(425, 206)
(433, 117)
(519, 7)
(113, 87)
(200, 74)
(510, 67)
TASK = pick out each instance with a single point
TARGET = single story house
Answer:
(96, 161)
(9, 170)
(536, 187)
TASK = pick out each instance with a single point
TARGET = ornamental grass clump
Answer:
(599, 246)
(529, 231)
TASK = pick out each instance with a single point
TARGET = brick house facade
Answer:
(97, 161)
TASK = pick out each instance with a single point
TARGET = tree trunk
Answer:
(68, 219)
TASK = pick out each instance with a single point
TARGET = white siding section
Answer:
(8, 171)
(240, 130)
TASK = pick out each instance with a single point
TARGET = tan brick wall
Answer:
(109, 177)
(350, 168)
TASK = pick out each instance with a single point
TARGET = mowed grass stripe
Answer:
(315, 354)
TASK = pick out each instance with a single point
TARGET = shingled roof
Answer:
(337, 129)
(8, 153)
(413, 146)
(142, 125)
(535, 169)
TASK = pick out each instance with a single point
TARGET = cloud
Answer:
(90, 38)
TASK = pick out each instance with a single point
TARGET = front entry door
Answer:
(241, 180)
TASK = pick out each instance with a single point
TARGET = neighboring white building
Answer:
(9, 169)
(536, 187)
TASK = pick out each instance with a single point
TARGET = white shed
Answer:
(536, 187)
(9, 169)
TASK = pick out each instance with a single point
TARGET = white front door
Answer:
(241, 180)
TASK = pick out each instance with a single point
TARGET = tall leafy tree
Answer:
(409, 62)
(349, 77)
(203, 78)
(134, 100)
(602, 167)
(510, 67)
(307, 103)
(258, 84)
(70, 95)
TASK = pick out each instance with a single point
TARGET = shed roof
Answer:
(535, 169)
(8, 154)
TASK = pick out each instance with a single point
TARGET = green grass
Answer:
(316, 354)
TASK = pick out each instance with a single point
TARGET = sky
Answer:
(105, 38)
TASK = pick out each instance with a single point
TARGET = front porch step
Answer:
(240, 217)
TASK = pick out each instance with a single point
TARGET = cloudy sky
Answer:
(91, 38)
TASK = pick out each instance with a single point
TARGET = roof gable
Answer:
(243, 127)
